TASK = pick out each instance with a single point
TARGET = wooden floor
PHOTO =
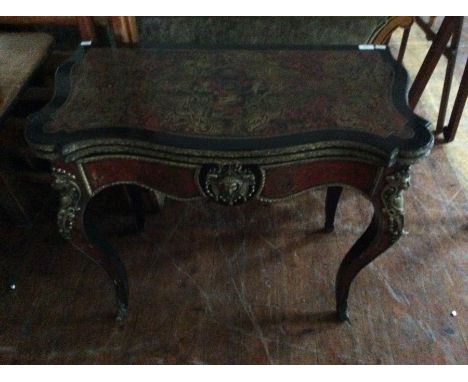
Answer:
(252, 284)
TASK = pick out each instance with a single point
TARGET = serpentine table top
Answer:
(233, 100)
(230, 125)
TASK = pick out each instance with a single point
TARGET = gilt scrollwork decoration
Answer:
(70, 196)
(392, 199)
(230, 184)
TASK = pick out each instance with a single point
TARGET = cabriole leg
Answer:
(77, 228)
(384, 230)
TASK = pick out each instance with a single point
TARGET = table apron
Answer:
(288, 181)
(182, 182)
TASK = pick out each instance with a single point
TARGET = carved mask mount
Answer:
(230, 184)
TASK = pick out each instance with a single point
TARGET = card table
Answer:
(232, 125)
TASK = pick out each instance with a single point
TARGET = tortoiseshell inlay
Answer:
(232, 93)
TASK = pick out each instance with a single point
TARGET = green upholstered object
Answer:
(205, 31)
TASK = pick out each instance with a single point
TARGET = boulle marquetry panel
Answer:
(178, 182)
(282, 182)
(238, 93)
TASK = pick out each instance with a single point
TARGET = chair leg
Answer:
(451, 129)
(404, 42)
(436, 50)
(452, 58)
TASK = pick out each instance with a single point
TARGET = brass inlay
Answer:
(84, 178)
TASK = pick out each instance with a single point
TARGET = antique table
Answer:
(232, 125)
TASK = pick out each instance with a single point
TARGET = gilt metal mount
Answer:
(230, 184)
(70, 196)
(392, 198)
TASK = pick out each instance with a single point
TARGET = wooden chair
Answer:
(450, 30)
(124, 29)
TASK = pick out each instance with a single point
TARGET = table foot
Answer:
(331, 203)
(122, 312)
(342, 312)
(329, 228)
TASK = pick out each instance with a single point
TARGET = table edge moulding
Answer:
(232, 171)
